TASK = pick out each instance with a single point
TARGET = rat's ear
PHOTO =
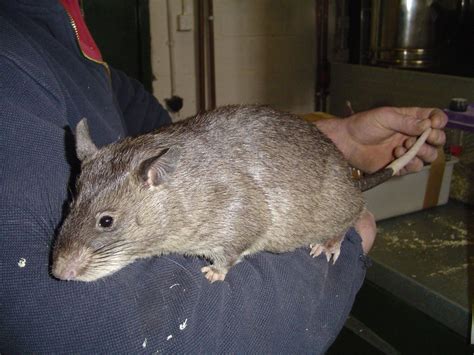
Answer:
(84, 145)
(156, 170)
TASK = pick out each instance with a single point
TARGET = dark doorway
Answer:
(121, 29)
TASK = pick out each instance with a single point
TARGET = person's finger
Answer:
(414, 165)
(399, 151)
(437, 137)
(427, 153)
(437, 117)
(408, 125)
(402, 172)
(409, 142)
(367, 230)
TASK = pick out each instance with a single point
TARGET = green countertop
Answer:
(427, 259)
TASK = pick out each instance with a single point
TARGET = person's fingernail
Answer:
(436, 121)
(410, 142)
(423, 124)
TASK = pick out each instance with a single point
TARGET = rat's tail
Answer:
(372, 180)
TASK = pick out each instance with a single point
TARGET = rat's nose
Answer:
(64, 269)
(69, 274)
(65, 273)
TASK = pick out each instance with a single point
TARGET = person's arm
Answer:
(268, 303)
(287, 303)
(370, 140)
(141, 111)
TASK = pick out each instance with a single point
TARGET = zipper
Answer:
(76, 32)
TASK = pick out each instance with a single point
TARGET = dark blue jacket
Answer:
(268, 303)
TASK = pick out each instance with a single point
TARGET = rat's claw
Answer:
(334, 254)
(328, 255)
(332, 249)
(316, 250)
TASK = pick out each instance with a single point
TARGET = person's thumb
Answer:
(406, 124)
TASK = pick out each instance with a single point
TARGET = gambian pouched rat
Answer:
(224, 184)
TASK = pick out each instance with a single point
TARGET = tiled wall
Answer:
(264, 53)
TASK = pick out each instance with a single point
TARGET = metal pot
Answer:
(403, 33)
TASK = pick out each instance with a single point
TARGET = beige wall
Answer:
(264, 53)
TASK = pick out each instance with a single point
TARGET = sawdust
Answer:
(459, 226)
(445, 233)
(450, 270)
(396, 241)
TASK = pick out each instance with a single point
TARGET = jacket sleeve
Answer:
(141, 110)
(268, 303)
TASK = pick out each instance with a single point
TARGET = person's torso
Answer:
(43, 42)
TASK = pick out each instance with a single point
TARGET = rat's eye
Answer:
(106, 221)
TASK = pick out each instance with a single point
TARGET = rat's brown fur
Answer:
(245, 179)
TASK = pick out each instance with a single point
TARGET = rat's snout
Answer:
(64, 272)
(68, 267)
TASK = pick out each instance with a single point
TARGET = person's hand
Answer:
(372, 139)
(367, 230)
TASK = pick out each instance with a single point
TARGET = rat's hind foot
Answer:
(332, 248)
(213, 273)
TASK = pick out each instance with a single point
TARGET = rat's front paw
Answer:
(213, 273)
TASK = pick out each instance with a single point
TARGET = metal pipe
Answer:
(322, 64)
(171, 48)
(201, 63)
(212, 71)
